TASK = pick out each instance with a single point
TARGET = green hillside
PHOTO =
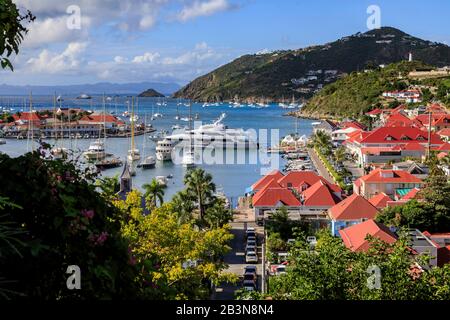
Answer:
(281, 75)
(360, 92)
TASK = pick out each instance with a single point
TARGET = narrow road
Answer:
(236, 258)
(319, 165)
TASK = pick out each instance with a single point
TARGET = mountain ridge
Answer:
(280, 75)
(91, 89)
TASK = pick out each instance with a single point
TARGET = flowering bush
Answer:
(63, 221)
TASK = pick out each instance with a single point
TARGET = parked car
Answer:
(250, 234)
(251, 257)
(250, 269)
(250, 277)
(251, 243)
(250, 247)
(250, 230)
(249, 285)
(311, 240)
(251, 238)
(281, 269)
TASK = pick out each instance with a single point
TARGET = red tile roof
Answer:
(411, 195)
(271, 197)
(353, 124)
(390, 176)
(442, 147)
(444, 132)
(380, 201)
(374, 112)
(354, 237)
(398, 119)
(100, 118)
(354, 207)
(320, 195)
(261, 183)
(399, 135)
(298, 178)
(27, 116)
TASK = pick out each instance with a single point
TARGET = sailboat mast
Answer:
(104, 119)
(132, 124)
(30, 125)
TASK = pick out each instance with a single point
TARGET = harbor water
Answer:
(232, 178)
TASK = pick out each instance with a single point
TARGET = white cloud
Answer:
(54, 30)
(203, 8)
(147, 57)
(120, 59)
(51, 63)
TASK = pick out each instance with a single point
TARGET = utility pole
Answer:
(429, 136)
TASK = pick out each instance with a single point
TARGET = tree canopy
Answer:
(12, 30)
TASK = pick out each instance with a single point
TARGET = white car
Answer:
(250, 230)
(250, 247)
(312, 241)
(251, 257)
(281, 269)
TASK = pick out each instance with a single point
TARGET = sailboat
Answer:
(133, 153)
(58, 152)
(150, 161)
(107, 163)
(177, 117)
(188, 160)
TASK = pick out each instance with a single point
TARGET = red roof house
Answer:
(275, 197)
(353, 210)
(385, 181)
(380, 201)
(355, 236)
(320, 196)
(268, 178)
(354, 207)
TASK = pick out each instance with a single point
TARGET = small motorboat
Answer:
(148, 163)
(108, 163)
(162, 180)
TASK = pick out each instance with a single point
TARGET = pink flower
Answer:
(87, 213)
(102, 238)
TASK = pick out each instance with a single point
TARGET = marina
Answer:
(110, 154)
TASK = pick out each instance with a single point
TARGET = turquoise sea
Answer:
(232, 179)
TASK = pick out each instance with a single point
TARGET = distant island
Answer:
(151, 93)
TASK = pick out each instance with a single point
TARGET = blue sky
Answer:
(178, 40)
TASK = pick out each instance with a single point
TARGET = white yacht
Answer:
(164, 150)
(96, 151)
(188, 160)
(215, 135)
(60, 153)
(133, 155)
(2, 141)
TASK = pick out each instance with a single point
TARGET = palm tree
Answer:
(183, 206)
(218, 214)
(154, 192)
(322, 140)
(339, 155)
(200, 185)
